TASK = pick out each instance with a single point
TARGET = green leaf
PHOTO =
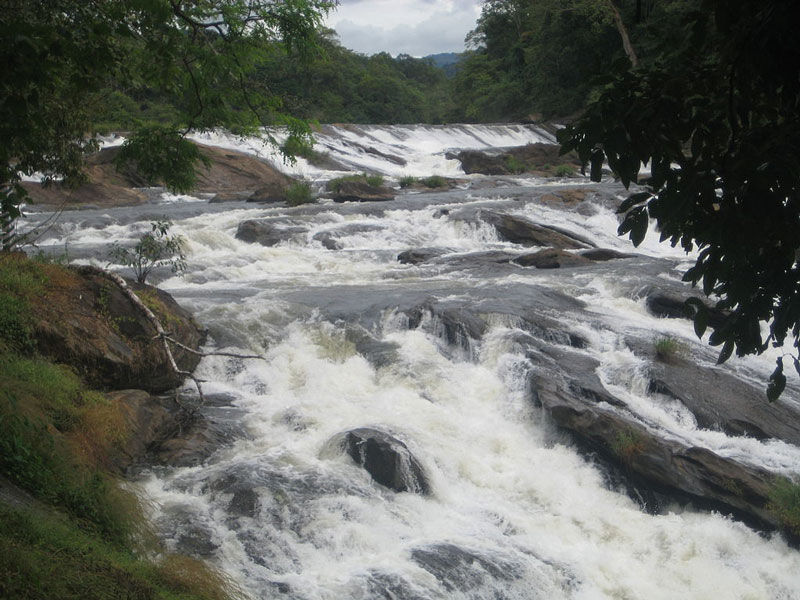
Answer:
(777, 382)
(633, 200)
(725, 353)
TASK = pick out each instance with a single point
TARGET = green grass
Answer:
(626, 445)
(299, 193)
(564, 171)
(407, 181)
(784, 503)
(57, 441)
(434, 181)
(44, 555)
(53, 435)
(669, 348)
(515, 165)
(335, 185)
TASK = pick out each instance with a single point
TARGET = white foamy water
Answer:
(397, 150)
(514, 511)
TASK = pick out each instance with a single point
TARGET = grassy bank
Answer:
(83, 535)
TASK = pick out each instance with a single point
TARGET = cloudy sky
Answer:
(415, 27)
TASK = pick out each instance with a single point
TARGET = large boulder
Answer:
(520, 230)
(565, 385)
(230, 172)
(330, 238)
(85, 321)
(552, 258)
(415, 256)
(361, 191)
(388, 460)
(268, 233)
(474, 161)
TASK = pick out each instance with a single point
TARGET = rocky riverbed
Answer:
(464, 393)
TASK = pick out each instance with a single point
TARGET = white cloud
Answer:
(416, 27)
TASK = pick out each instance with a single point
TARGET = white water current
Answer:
(515, 511)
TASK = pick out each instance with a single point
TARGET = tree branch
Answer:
(161, 333)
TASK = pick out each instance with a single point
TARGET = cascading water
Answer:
(350, 340)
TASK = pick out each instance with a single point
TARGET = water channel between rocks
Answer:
(440, 355)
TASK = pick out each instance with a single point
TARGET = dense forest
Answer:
(525, 60)
(326, 83)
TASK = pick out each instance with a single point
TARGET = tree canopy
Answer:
(64, 58)
(715, 113)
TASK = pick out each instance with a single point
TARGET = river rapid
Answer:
(354, 338)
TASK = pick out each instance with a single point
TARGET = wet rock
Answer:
(672, 305)
(723, 402)
(603, 254)
(552, 258)
(230, 172)
(378, 352)
(474, 161)
(536, 158)
(269, 194)
(385, 458)
(361, 191)
(478, 259)
(458, 326)
(195, 435)
(389, 586)
(664, 465)
(221, 197)
(148, 419)
(520, 230)
(415, 256)
(330, 239)
(88, 323)
(244, 503)
(462, 570)
(566, 197)
(267, 233)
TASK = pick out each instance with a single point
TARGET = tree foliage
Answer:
(65, 57)
(715, 112)
(335, 85)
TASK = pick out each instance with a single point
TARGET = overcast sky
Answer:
(415, 27)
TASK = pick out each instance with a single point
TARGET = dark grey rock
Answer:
(462, 570)
(330, 239)
(551, 258)
(361, 191)
(687, 473)
(604, 254)
(520, 230)
(415, 256)
(267, 233)
(388, 460)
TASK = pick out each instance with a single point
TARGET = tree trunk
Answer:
(623, 33)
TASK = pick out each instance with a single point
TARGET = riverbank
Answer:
(69, 527)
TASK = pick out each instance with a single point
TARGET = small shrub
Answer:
(627, 444)
(407, 181)
(335, 185)
(515, 165)
(434, 181)
(668, 348)
(784, 503)
(299, 193)
(564, 171)
(374, 179)
(156, 248)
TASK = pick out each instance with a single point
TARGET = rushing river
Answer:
(515, 512)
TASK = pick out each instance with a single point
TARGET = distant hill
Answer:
(447, 61)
